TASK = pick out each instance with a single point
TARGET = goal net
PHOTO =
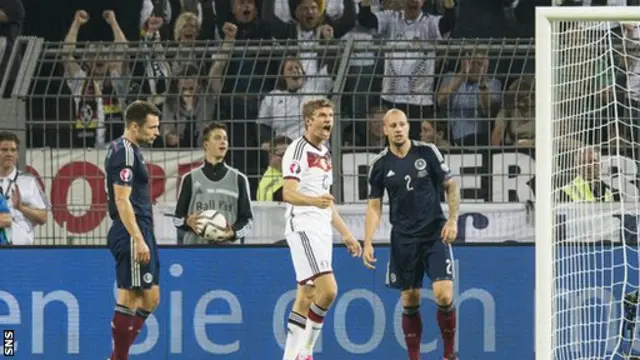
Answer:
(588, 128)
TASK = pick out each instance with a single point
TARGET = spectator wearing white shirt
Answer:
(281, 110)
(409, 72)
(27, 202)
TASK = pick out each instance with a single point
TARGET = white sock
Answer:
(295, 336)
(314, 327)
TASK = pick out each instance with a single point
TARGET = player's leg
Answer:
(325, 293)
(297, 322)
(127, 300)
(439, 264)
(405, 272)
(150, 279)
(312, 257)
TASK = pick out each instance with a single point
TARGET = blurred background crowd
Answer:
(251, 63)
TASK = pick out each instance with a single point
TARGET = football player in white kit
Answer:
(307, 170)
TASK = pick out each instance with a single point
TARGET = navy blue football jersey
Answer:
(124, 165)
(414, 185)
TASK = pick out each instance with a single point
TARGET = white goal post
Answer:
(595, 339)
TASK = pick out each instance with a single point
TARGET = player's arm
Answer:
(374, 211)
(338, 223)
(121, 194)
(244, 218)
(181, 218)
(442, 175)
(120, 168)
(374, 204)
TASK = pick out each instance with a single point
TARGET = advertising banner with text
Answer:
(231, 303)
(495, 186)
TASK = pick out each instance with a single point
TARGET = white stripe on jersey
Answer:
(129, 155)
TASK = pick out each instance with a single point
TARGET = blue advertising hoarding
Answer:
(231, 303)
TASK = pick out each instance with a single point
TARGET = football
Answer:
(211, 225)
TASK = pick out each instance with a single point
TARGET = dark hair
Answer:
(281, 82)
(210, 128)
(9, 136)
(138, 111)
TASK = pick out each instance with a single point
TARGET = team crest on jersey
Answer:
(126, 175)
(420, 164)
(294, 168)
(320, 161)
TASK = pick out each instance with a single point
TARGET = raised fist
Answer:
(325, 32)
(81, 17)
(109, 16)
(230, 31)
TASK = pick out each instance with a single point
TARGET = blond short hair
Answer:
(181, 21)
(309, 108)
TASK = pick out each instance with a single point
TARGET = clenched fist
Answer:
(325, 32)
(109, 16)
(81, 17)
(230, 31)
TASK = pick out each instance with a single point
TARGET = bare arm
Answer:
(291, 195)
(221, 59)
(338, 223)
(448, 88)
(71, 66)
(5, 220)
(372, 219)
(453, 198)
(119, 40)
(36, 216)
(125, 210)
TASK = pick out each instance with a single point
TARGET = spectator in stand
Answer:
(281, 110)
(367, 135)
(515, 123)
(186, 32)
(97, 86)
(192, 103)
(409, 75)
(270, 187)
(309, 27)
(151, 73)
(434, 132)
(471, 99)
(248, 75)
(363, 83)
(29, 206)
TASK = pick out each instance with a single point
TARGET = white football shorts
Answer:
(311, 253)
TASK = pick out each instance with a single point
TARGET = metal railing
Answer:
(63, 96)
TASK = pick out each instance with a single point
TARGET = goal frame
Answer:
(544, 215)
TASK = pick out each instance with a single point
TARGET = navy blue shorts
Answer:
(129, 274)
(410, 259)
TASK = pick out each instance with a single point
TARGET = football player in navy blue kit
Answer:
(130, 237)
(414, 175)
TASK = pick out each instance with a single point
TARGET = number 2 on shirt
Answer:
(408, 179)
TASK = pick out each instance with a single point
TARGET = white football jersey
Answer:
(409, 74)
(311, 166)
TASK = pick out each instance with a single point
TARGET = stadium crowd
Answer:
(251, 63)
